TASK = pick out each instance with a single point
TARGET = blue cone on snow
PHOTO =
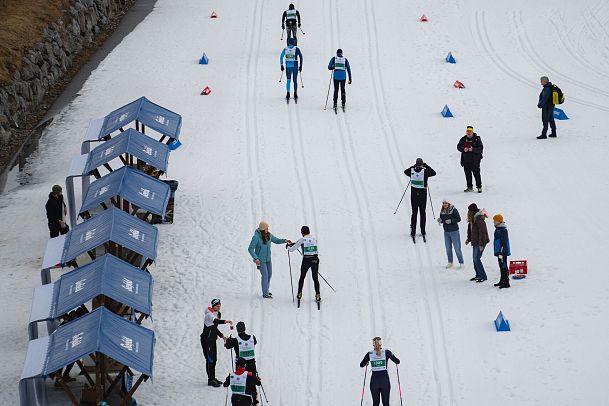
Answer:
(559, 114)
(446, 112)
(203, 60)
(501, 324)
(450, 58)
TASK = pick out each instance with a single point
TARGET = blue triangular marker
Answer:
(560, 114)
(446, 112)
(203, 60)
(501, 324)
(450, 58)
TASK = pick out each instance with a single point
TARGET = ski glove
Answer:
(282, 27)
(282, 68)
(300, 68)
(298, 25)
(349, 81)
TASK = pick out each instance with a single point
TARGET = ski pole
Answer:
(301, 81)
(291, 281)
(264, 393)
(282, 30)
(363, 386)
(301, 30)
(403, 194)
(226, 397)
(431, 201)
(328, 95)
(322, 277)
(399, 385)
(281, 77)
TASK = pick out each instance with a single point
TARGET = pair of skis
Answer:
(318, 304)
(287, 99)
(414, 240)
(336, 109)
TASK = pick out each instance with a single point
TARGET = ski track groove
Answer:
(527, 46)
(256, 311)
(391, 144)
(497, 60)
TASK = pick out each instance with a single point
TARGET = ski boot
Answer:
(287, 97)
(343, 107)
(335, 108)
(298, 297)
(295, 97)
(318, 300)
(479, 190)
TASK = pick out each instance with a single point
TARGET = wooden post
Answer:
(127, 399)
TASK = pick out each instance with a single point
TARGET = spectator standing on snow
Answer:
(477, 234)
(242, 384)
(501, 245)
(380, 386)
(310, 259)
(291, 54)
(340, 67)
(450, 218)
(418, 173)
(546, 104)
(291, 20)
(244, 345)
(470, 146)
(56, 210)
(208, 340)
(260, 250)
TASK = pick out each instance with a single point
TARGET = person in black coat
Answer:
(56, 210)
(470, 146)
(211, 320)
(546, 104)
(380, 387)
(418, 173)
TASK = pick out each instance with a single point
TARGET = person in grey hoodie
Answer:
(450, 218)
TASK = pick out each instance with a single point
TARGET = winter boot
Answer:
(213, 383)
(553, 135)
(474, 279)
(469, 189)
(449, 265)
(542, 137)
(497, 284)
(504, 286)
(479, 190)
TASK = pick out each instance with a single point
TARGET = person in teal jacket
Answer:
(260, 250)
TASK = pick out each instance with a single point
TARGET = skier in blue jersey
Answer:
(292, 67)
(340, 67)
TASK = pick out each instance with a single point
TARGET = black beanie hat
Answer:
(240, 362)
(472, 207)
(419, 162)
(240, 327)
(339, 52)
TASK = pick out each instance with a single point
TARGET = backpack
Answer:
(557, 95)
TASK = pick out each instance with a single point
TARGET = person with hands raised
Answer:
(209, 336)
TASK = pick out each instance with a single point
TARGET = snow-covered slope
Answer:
(247, 156)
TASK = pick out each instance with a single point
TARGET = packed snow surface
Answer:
(248, 156)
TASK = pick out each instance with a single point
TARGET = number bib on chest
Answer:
(417, 179)
(246, 348)
(237, 383)
(378, 362)
(340, 63)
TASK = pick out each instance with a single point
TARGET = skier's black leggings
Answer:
(343, 95)
(418, 201)
(309, 261)
(211, 356)
(379, 392)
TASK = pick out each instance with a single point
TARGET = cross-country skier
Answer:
(310, 259)
(242, 384)
(291, 19)
(260, 250)
(292, 67)
(244, 346)
(418, 174)
(340, 67)
(208, 340)
(501, 245)
(379, 381)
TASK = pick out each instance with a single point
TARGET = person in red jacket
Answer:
(242, 384)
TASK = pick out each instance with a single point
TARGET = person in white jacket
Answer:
(310, 259)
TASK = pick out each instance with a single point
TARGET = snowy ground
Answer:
(247, 157)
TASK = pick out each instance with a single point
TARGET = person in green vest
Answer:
(242, 384)
(291, 20)
(310, 259)
(418, 173)
(244, 345)
(380, 387)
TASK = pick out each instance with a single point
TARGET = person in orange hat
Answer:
(501, 245)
